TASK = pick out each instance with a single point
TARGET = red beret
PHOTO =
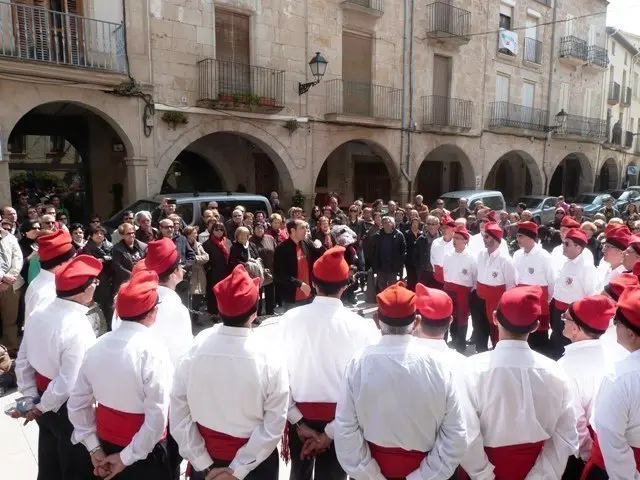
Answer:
(331, 267)
(611, 226)
(140, 266)
(237, 294)
(493, 229)
(447, 221)
(56, 246)
(161, 255)
(578, 235)
(491, 215)
(397, 304)
(634, 242)
(618, 283)
(618, 237)
(529, 229)
(593, 313)
(569, 222)
(76, 275)
(629, 308)
(519, 308)
(138, 296)
(435, 306)
(462, 231)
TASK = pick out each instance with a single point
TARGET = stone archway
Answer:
(573, 175)
(515, 173)
(446, 168)
(607, 176)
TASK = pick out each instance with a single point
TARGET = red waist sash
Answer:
(544, 306)
(513, 462)
(597, 460)
(42, 382)
(118, 427)
(563, 307)
(460, 300)
(220, 445)
(324, 412)
(438, 273)
(491, 294)
(396, 462)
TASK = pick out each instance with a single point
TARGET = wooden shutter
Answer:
(232, 37)
(31, 25)
(73, 31)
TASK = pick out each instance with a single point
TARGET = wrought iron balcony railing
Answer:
(585, 127)
(626, 96)
(444, 20)
(573, 47)
(509, 115)
(532, 50)
(446, 112)
(377, 5)
(345, 97)
(598, 56)
(628, 139)
(614, 93)
(238, 86)
(39, 34)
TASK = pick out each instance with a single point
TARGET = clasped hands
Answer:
(314, 443)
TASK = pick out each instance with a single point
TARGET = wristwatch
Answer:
(299, 423)
(206, 471)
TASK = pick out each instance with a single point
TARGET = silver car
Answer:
(543, 208)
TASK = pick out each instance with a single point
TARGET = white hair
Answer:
(389, 219)
(461, 221)
(142, 214)
(394, 330)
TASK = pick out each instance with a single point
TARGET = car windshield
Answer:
(616, 193)
(450, 203)
(590, 198)
(626, 196)
(148, 205)
(531, 202)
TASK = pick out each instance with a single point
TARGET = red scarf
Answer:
(222, 245)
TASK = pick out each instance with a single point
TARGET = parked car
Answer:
(191, 205)
(630, 195)
(591, 202)
(489, 198)
(543, 208)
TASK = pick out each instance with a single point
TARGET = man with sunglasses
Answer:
(557, 254)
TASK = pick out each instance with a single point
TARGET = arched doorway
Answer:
(515, 174)
(71, 151)
(227, 161)
(608, 176)
(445, 169)
(357, 169)
(631, 174)
(572, 176)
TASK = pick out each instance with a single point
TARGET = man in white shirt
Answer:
(231, 392)
(496, 274)
(318, 340)
(522, 399)
(460, 272)
(616, 241)
(440, 247)
(616, 448)
(632, 253)
(534, 266)
(557, 254)
(399, 415)
(10, 287)
(585, 362)
(56, 338)
(613, 290)
(576, 279)
(120, 403)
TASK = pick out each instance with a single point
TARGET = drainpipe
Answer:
(552, 56)
(407, 166)
(403, 116)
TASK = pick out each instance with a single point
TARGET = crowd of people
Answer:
(552, 391)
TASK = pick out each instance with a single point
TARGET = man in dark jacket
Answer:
(125, 254)
(389, 249)
(422, 251)
(293, 263)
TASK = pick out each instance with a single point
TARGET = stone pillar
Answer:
(5, 183)
(137, 184)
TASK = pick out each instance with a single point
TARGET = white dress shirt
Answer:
(534, 268)
(231, 382)
(576, 279)
(476, 245)
(172, 325)
(496, 269)
(55, 341)
(127, 370)
(41, 291)
(439, 248)
(558, 258)
(460, 268)
(521, 397)
(608, 274)
(617, 418)
(610, 341)
(318, 340)
(11, 260)
(399, 394)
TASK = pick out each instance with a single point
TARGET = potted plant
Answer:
(173, 119)
(292, 125)
(267, 102)
(298, 199)
(225, 98)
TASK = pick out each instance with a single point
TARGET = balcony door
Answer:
(233, 72)
(441, 89)
(357, 90)
(528, 97)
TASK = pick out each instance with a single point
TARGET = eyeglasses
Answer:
(130, 233)
(168, 227)
(432, 224)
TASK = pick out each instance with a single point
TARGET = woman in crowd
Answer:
(632, 209)
(323, 233)
(217, 247)
(411, 236)
(277, 228)
(316, 213)
(266, 246)
(28, 245)
(77, 236)
(198, 279)
(99, 247)
(145, 232)
(594, 246)
(241, 250)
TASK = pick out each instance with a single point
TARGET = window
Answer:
(493, 202)
(17, 145)
(506, 16)
(232, 37)
(568, 25)
(586, 104)
(56, 144)
(528, 94)
(626, 57)
(563, 97)
(636, 83)
(613, 49)
(503, 87)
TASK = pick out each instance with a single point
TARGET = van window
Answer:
(225, 207)
(185, 210)
(493, 202)
(148, 205)
(550, 202)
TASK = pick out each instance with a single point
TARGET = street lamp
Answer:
(561, 119)
(318, 66)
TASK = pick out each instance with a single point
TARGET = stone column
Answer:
(5, 183)
(137, 184)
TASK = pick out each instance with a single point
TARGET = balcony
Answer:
(446, 113)
(584, 127)
(532, 51)
(446, 23)
(625, 100)
(512, 116)
(37, 34)
(573, 51)
(547, 3)
(228, 85)
(628, 140)
(362, 102)
(372, 7)
(614, 93)
(597, 58)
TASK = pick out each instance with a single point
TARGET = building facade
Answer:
(418, 96)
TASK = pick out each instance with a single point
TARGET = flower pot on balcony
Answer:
(225, 98)
(267, 102)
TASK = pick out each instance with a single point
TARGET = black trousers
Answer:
(326, 464)
(269, 300)
(267, 470)
(574, 469)
(412, 277)
(58, 458)
(558, 340)
(597, 474)
(174, 458)
(155, 466)
(480, 322)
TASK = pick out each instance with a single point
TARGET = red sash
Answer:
(491, 295)
(460, 302)
(513, 462)
(561, 306)
(324, 412)
(597, 460)
(396, 462)
(545, 321)
(118, 427)
(42, 382)
(438, 273)
(220, 445)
